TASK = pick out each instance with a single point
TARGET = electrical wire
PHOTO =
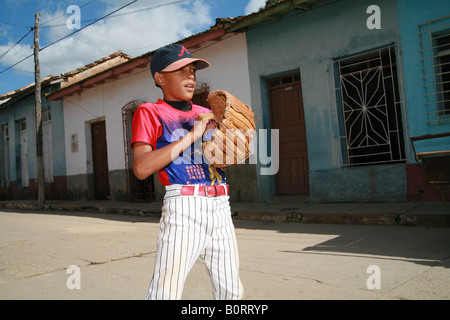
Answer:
(15, 24)
(94, 21)
(122, 14)
(130, 3)
(63, 15)
(4, 54)
(104, 17)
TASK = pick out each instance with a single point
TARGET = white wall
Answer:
(103, 102)
(229, 67)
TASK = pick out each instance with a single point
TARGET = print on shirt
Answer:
(159, 124)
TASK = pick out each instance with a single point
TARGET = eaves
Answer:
(270, 13)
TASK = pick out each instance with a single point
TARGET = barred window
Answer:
(201, 95)
(435, 55)
(369, 108)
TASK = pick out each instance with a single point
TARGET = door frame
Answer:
(104, 160)
(270, 86)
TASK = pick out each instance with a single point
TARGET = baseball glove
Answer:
(230, 144)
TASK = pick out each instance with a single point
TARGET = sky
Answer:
(140, 27)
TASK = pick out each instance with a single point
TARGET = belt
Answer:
(208, 191)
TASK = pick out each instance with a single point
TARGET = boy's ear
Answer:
(159, 79)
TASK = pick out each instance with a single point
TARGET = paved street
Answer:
(115, 255)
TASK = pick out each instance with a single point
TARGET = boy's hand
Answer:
(204, 121)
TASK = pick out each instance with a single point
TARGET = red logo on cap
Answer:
(183, 50)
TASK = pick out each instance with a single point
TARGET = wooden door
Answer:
(287, 115)
(100, 160)
(24, 153)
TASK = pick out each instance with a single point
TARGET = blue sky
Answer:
(139, 28)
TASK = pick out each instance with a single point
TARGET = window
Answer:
(201, 95)
(443, 73)
(369, 108)
(22, 125)
(47, 144)
(4, 156)
(46, 115)
(435, 55)
(137, 190)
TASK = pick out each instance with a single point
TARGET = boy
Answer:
(196, 217)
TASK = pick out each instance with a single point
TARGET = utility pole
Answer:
(37, 86)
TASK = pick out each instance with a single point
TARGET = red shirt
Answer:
(159, 124)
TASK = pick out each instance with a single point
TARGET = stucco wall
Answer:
(411, 14)
(308, 43)
(23, 107)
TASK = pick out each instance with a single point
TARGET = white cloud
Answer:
(133, 32)
(254, 6)
(16, 54)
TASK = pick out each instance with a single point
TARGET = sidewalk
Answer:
(423, 214)
(54, 255)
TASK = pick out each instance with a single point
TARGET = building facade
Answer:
(98, 110)
(330, 76)
(18, 169)
(425, 42)
(340, 87)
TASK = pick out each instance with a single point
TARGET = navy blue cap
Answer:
(174, 57)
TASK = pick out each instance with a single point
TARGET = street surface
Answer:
(73, 255)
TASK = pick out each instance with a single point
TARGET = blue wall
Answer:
(308, 43)
(411, 14)
(23, 107)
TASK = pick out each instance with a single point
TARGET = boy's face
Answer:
(178, 85)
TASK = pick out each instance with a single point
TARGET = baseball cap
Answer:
(174, 57)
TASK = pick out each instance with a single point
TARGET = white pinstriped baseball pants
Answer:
(192, 227)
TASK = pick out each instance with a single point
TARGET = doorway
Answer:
(24, 154)
(287, 115)
(138, 190)
(100, 160)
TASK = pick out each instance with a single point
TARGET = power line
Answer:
(120, 14)
(44, 23)
(69, 35)
(15, 64)
(87, 25)
(31, 29)
(63, 15)
(15, 24)
(94, 21)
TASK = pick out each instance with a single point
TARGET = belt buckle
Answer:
(209, 188)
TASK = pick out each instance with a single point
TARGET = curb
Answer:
(84, 208)
(305, 215)
(375, 219)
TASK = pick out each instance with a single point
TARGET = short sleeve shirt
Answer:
(159, 124)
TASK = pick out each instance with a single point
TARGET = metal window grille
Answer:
(369, 108)
(435, 58)
(138, 190)
(201, 95)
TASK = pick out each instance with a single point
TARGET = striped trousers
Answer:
(193, 227)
